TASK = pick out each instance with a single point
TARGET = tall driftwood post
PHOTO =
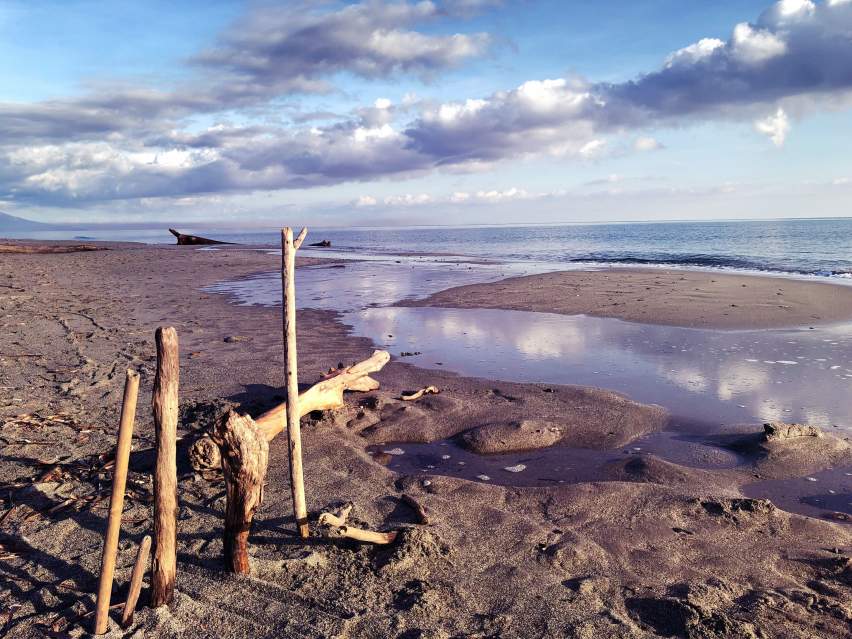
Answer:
(116, 500)
(288, 287)
(245, 457)
(165, 403)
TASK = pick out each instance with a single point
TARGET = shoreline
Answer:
(493, 558)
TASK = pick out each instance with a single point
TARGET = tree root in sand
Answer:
(427, 390)
(338, 523)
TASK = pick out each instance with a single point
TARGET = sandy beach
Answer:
(697, 299)
(653, 549)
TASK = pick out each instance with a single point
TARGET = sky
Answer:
(424, 112)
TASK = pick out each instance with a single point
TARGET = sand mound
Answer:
(514, 436)
(784, 451)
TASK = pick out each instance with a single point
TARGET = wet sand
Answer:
(672, 297)
(661, 549)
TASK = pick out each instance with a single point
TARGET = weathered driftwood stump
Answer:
(245, 457)
(165, 404)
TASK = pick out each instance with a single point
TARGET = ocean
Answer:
(805, 247)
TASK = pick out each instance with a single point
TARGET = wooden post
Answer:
(136, 581)
(245, 457)
(165, 404)
(288, 286)
(116, 500)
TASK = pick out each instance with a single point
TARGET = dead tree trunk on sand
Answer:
(245, 457)
(165, 404)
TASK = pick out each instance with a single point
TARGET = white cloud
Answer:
(755, 46)
(592, 148)
(646, 144)
(366, 200)
(408, 199)
(775, 126)
(700, 50)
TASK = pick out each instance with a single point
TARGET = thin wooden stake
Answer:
(288, 286)
(165, 404)
(116, 500)
(136, 581)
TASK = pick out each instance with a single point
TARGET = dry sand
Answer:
(696, 299)
(662, 550)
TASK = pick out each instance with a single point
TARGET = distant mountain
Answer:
(17, 224)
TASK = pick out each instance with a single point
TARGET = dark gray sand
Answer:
(661, 549)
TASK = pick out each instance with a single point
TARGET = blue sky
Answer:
(462, 111)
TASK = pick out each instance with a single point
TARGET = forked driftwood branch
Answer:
(325, 395)
(245, 457)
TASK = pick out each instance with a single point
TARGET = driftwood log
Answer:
(326, 395)
(245, 457)
(192, 240)
(165, 404)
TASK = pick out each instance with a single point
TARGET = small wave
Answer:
(707, 261)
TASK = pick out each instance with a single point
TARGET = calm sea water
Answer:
(817, 247)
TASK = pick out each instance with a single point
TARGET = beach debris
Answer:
(337, 521)
(49, 248)
(139, 568)
(417, 507)
(245, 458)
(517, 468)
(165, 406)
(116, 502)
(426, 390)
(289, 246)
(325, 395)
(193, 240)
(776, 431)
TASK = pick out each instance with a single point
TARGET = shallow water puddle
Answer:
(821, 494)
(722, 377)
(548, 466)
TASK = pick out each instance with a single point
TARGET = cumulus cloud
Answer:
(279, 49)
(130, 144)
(273, 51)
(775, 126)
